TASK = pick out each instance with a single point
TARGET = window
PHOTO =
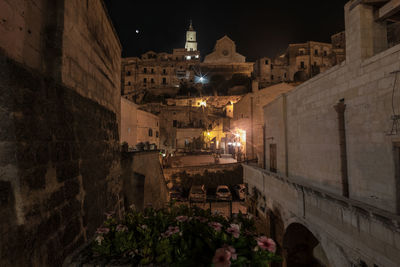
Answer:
(302, 64)
(272, 67)
(316, 52)
(129, 83)
(128, 73)
(266, 62)
(272, 77)
(144, 80)
(164, 71)
(272, 157)
(325, 53)
(174, 123)
(152, 70)
(145, 70)
(156, 133)
(152, 80)
(315, 63)
(284, 75)
(164, 80)
(150, 132)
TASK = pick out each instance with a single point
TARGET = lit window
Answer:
(197, 56)
(188, 57)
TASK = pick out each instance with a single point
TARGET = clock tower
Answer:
(191, 44)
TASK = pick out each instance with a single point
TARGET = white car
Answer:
(198, 193)
(223, 193)
(240, 190)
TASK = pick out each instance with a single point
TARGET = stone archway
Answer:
(302, 248)
(300, 76)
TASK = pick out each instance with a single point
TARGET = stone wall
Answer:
(366, 83)
(59, 138)
(144, 166)
(348, 231)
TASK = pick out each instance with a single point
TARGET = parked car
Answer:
(198, 193)
(223, 193)
(240, 191)
(175, 193)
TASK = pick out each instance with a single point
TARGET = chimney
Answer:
(254, 86)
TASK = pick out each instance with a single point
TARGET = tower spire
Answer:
(191, 26)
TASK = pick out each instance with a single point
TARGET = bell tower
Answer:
(191, 44)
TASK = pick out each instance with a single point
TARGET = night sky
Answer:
(259, 28)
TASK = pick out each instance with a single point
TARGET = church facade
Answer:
(164, 73)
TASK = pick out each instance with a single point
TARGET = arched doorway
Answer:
(300, 76)
(302, 248)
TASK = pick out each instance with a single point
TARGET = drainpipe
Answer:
(340, 109)
(285, 135)
(264, 148)
(252, 126)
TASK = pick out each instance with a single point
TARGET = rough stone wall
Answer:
(348, 230)
(366, 83)
(145, 164)
(59, 156)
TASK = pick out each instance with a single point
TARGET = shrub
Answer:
(181, 236)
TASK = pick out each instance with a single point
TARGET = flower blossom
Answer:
(109, 214)
(234, 230)
(121, 228)
(216, 225)
(171, 230)
(232, 250)
(222, 258)
(99, 239)
(266, 243)
(102, 230)
(143, 226)
(182, 218)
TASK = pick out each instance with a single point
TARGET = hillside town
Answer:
(154, 160)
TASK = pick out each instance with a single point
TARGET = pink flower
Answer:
(232, 250)
(102, 230)
(182, 218)
(234, 230)
(121, 228)
(109, 214)
(266, 243)
(171, 230)
(222, 258)
(216, 225)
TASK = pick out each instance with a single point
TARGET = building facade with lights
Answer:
(160, 73)
(301, 61)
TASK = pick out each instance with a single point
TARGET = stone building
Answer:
(138, 126)
(248, 120)
(60, 157)
(59, 133)
(160, 73)
(329, 192)
(300, 61)
(225, 61)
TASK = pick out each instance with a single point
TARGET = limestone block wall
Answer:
(313, 142)
(59, 143)
(145, 164)
(348, 230)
